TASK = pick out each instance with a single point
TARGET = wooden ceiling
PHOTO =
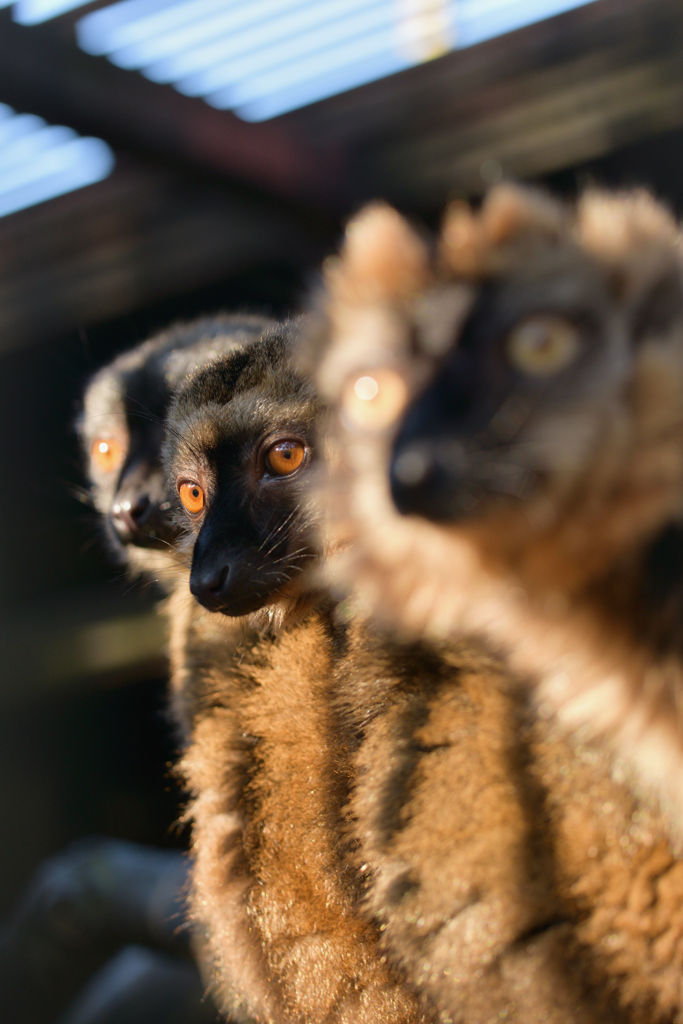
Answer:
(198, 192)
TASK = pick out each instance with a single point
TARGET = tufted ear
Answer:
(638, 242)
(509, 212)
(616, 226)
(383, 258)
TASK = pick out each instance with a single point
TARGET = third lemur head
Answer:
(121, 431)
(240, 446)
(521, 380)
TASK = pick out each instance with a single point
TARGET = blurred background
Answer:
(161, 159)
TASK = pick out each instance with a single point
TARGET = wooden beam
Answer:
(44, 73)
(146, 233)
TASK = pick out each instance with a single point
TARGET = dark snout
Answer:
(139, 511)
(451, 453)
(429, 465)
(210, 583)
(226, 581)
(422, 481)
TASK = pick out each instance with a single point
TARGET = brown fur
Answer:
(465, 770)
(557, 580)
(314, 782)
(271, 884)
(272, 890)
(508, 870)
(499, 869)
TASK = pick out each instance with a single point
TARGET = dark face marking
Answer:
(244, 435)
(253, 539)
(127, 403)
(132, 496)
(528, 351)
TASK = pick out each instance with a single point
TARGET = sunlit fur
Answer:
(273, 889)
(557, 579)
(374, 819)
(391, 303)
(509, 871)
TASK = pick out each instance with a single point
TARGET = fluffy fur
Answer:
(574, 571)
(272, 890)
(383, 829)
(374, 819)
(509, 872)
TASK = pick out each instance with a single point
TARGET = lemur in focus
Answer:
(369, 843)
(517, 395)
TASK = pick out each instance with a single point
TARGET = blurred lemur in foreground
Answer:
(374, 821)
(538, 468)
(540, 359)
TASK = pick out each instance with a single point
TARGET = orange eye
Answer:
(284, 457)
(106, 454)
(192, 497)
(374, 401)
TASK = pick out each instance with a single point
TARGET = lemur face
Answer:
(542, 389)
(122, 431)
(240, 447)
(518, 401)
(514, 388)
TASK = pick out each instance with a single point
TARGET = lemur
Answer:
(122, 430)
(504, 416)
(554, 481)
(369, 842)
(114, 893)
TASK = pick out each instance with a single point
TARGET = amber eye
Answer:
(375, 400)
(285, 457)
(192, 497)
(542, 345)
(106, 454)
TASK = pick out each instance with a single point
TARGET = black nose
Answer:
(130, 513)
(411, 473)
(210, 585)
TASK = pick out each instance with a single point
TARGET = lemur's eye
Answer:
(106, 454)
(192, 497)
(541, 345)
(285, 457)
(376, 400)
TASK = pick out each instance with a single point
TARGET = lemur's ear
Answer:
(637, 241)
(617, 227)
(469, 242)
(383, 258)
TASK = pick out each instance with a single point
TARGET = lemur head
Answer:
(518, 384)
(240, 446)
(121, 430)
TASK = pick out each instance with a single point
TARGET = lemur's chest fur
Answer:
(506, 866)
(278, 869)
(376, 819)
